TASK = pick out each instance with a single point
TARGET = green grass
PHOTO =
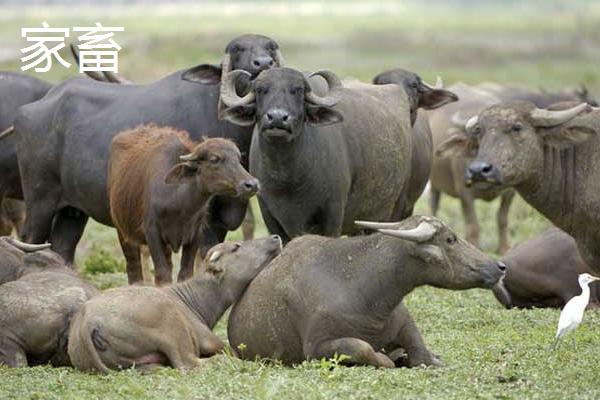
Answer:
(489, 352)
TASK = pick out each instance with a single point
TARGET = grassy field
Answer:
(489, 352)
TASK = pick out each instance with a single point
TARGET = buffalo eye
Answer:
(236, 49)
(516, 128)
(414, 84)
(236, 247)
(451, 239)
(296, 90)
(271, 46)
(261, 90)
(214, 159)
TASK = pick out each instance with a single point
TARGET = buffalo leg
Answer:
(467, 203)
(434, 200)
(11, 354)
(67, 229)
(333, 219)
(39, 217)
(505, 201)
(188, 257)
(407, 336)
(248, 224)
(359, 351)
(161, 257)
(145, 259)
(273, 226)
(132, 257)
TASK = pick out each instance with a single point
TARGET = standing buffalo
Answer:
(324, 161)
(448, 172)
(552, 159)
(543, 272)
(63, 141)
(147, 326)
(36, 308)
(16, 90)
(159, 186)
(326, 296)
(427, 97)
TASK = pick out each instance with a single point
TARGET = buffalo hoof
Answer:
(422, 359)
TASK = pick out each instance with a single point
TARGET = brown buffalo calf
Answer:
(543, 273)
(159, 185)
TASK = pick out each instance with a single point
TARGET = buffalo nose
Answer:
(262, 63)
(501, 266)
(250, 186)
(278, 117)
(478, 170)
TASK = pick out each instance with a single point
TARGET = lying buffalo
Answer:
(324, 160)
(36, 308)
(159, 185)
(146, 326)
(427, 97)
(552, 159)
(18, 259)
(63, 141)
(543, 272)
(326, 296)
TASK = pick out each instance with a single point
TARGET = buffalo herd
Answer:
(336, 165)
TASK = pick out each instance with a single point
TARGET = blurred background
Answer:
(549, 44)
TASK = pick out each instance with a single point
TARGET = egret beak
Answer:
(595, 278)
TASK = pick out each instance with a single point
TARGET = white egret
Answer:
(572, 314)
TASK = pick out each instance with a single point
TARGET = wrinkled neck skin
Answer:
(287, 163)
(204, 297)
(397, 272)
(554, 189)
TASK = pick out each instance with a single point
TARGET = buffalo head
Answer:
(510, 139)
(420, 94)
(250, 53)
(280, 101)
(215, 164)
(447, 261)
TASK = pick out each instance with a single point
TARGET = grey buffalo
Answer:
(552, 159)
(325, 296)
(17, 90)
(324, 160)
(543, 272)
(146, 326)
(36, 306)
(64, 168)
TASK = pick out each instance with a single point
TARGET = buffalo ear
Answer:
(435, 98)
(239, 115)
(181, 172)
(319, 115)
(457, 145)
(429, 253)
(206, 74)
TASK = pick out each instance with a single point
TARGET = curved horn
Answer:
(378, 225)
(471, 123)
(225, 66)
(27, 247)
(548, 118)
(439, 83)
(114, 78)
(7, 132)
(188, 157)
(421, 233)
(229, 95)
(334, 95)
(458, 121)
(279, 58)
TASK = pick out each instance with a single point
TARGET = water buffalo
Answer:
(427, 97)
(147, 326)
(324, 161)
(543, 272)
(324, 296)
(159, 185)
(36, 308)
(552, 159)
(18, 259)
(17, 89)
(63, 141)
